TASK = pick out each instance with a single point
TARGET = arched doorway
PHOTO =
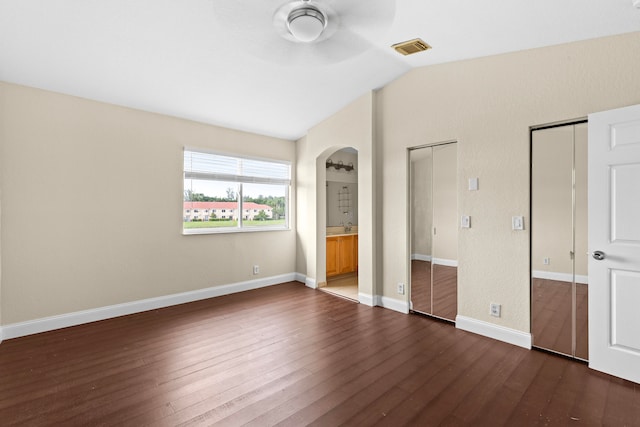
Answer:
(338, 216)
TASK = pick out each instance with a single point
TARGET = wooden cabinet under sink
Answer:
(342, 254)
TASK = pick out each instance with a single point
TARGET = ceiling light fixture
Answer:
(306, 23)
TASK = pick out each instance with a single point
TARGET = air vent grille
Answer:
(411, 46)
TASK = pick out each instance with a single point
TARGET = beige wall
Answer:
(445, 203)
(341, 175)
(351, 127)
(434, 202)
(421, 198)
(582, 200)
(3, 112)
(61, 154)
(64, 159)
(488, 106)
(336, 179)
(336, 216)
(552, 200)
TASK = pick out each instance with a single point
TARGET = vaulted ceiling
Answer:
(225, 62)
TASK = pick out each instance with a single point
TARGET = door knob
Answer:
(598, 255)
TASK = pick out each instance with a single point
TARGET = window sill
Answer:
(198, 231)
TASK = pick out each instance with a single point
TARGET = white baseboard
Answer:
(439, 261)
(497, 332)
(444, 261)
(310, 283)
(420, 257)
(366, 299)
(79, 317)
(392, 304)
(299, 277)
(562, 277)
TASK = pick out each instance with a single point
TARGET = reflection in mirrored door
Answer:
(434, 230)
(559, 291)
(421, 220)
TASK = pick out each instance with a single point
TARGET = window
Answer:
(222, 183)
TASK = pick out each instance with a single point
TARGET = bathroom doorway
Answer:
(342, 224)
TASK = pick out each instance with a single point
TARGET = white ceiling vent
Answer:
(411, 46)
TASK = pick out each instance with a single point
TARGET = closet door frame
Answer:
(411, 225)
(573, 234)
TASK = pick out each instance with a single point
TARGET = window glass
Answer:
(224, 193)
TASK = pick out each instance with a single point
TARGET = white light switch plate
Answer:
(517, 223)
(465, 221)
(473, 184)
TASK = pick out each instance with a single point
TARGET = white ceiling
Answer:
(177, 57)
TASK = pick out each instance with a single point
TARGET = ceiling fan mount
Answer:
(304, 32)
(305, 21)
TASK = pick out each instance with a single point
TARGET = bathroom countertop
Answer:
(341, 233)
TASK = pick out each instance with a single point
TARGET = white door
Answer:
(614, 236)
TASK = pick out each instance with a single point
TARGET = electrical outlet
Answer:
(465, 221)
(546, 261)
(494, 309)
(256, 269)
(401, 288)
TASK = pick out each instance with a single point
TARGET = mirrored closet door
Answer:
(434, 230)
(559, 290)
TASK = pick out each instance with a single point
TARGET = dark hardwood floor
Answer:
(289, 355)
(421, 285)
(444, 290)
(551, 313)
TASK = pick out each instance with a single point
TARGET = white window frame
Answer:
(238, 179)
